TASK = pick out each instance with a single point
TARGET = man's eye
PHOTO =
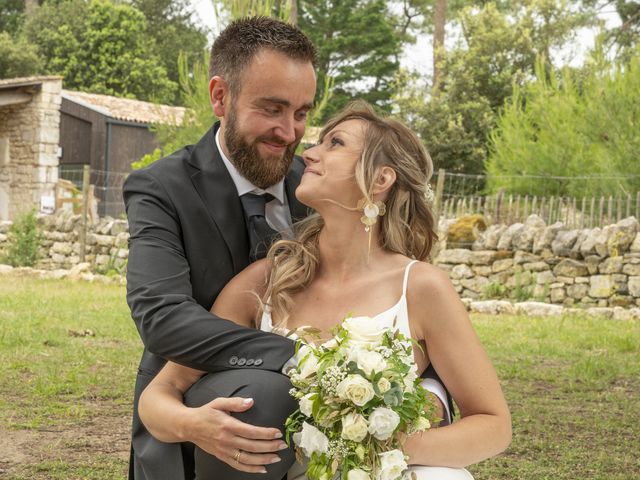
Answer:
(300, 116)
(272, 111)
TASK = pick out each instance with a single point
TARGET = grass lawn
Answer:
(573, 385)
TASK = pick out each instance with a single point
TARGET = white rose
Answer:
(370, 362)
(307, 361)
(354, 427)
(357, 474)
(392, 464)
(306, 404)
(356, 389)
(383, 422)
(311, 440)
(364, 330)
(384, 385)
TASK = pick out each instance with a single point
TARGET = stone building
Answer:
(47, 133)
(29, 142)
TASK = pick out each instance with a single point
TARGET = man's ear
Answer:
(384, 180)
(218, 95)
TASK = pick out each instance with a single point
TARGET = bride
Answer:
(364, 252)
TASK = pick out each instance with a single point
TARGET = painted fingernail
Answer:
(247, 401)
(264, 470)
(282, 446)
(278, 435)
(275, 460)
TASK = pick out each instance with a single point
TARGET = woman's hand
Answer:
(242, 446)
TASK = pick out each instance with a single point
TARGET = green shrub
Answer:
(24, 240)
(494, 290)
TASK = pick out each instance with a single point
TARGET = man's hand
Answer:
(242, 446)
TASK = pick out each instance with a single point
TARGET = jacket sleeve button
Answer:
(233, 360)
(258, 362)
(241, 361)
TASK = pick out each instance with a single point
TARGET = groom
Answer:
(197, 218)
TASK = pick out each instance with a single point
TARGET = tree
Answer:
(100, 47)
(573, 124)
(11, 15)
(496, 52)
(170, 25)
(357, 49)
(18, 58)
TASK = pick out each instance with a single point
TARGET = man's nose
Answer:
(286, 129)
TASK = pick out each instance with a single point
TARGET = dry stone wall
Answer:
(550, 263)
(532, 261)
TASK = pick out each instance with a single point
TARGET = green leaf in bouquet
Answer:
(393, 396)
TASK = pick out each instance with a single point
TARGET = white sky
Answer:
(419, 55)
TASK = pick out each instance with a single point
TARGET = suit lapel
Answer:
(218, 192)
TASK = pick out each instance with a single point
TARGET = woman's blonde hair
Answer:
(407, 227)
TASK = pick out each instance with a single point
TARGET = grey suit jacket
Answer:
(188, 239)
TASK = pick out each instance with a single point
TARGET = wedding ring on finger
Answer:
(237, 456)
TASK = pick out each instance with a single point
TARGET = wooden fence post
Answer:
(86, 170)
(439, 192)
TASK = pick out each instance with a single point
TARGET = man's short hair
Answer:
(237, 45)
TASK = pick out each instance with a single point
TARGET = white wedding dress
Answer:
(399, 313)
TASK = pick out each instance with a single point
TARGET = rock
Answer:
(577, 291)
(492, 307)
(538, 309)
(634, 286)
(623, 234)
(461, 271)
(455, 256)
(5, 268)
(470, 294)
(476, 284)
(544, 237)
(635, 245)
(102, 260)
(620, 313)
(563, 242)
(103, 240)
(565, 280)
(523, 239)
(483, 257)
(581, 279)
(599, 312)
(541, 292)
(570, 268)
(557, 295)
(534, 221)
(79, 268)
(588, 245)
(525, 257)
(601, 286)
(62, 248)
(546, 277)
(483, 270)
(118, 227)
(611, 265)
(492, 235)
(631, 269)
(122, 240)
(536, 266)
(501, 265)
(5, 225)
(582, 236)
(601, 239)
(620, 301)
(507, 236)
(592, 262)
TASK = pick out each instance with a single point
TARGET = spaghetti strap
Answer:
(405, 282)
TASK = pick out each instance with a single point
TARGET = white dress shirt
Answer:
(277, 211)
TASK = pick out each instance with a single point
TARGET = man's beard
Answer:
(262, 171)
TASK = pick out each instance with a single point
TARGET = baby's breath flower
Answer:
(331, 378)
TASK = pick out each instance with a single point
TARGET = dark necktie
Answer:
(261, 235)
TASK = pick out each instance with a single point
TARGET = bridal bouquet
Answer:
(359, 395)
